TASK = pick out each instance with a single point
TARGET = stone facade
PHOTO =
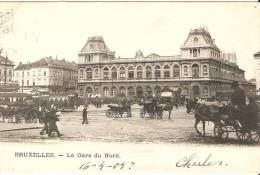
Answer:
(257, 70)
(47, 75)
(200, 70)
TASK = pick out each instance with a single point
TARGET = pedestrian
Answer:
(45, 121)
(53, 118)
(85, 119)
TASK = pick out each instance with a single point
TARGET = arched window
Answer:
(195, 40)
(96, 73)
(122, 91)
(149, 91)
(176, 71)
(185, 91)
(205, 91)
(80, 91)
(148, 72)
(166, 70)
(157, 90)
(157, 71)
(139, 92)
(205, 70)
(131, 72)
(122, 72)
(114, 73)
(106, 73)
(88, 91)
(89, 73)
(131, 91)
(139, 72)
(113, 91)
(195, 70)
(185, 70)
(196, 90)
(81, 73)
(106, 91)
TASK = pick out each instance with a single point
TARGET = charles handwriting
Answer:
(192, 161)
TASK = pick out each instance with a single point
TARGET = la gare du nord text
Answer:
(77, 155)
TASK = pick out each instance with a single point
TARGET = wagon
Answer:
(226, 121)
(117, 111)
(152, 108)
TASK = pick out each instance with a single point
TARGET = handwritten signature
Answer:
(106, 165)
(190, 161)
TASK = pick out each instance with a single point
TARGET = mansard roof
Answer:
(96, 44)
(46, 62)
(209, 42)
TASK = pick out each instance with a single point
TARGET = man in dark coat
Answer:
(85, 119)
(53, 118)
(238, 97)
(252, 112)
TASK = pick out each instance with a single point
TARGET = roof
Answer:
(48, 61)
(96, 44)
(205, 34)
(4, 60)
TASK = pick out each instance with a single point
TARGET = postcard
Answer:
(129, 87)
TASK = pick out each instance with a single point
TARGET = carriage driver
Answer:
(238, 97)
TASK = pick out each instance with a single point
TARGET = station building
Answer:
(200, 70)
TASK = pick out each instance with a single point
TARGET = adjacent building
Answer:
(201, 69)
(7, 83)
(47, 76)
(257, 70)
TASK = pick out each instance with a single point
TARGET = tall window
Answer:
(176, 71)
(89, 73)
(195, 54)
(106, 91)
(81, 74)
(195, 40)
(114, 73)
(131, 91)
(89, 91)
(96, 73)
(205, 91)
(113, 91)
(28, 83)
(157, 71)
(81, 91)
(106, 73)
(195, 70)
(148, 72)
(122, 91)
(205, 70)
(131, 72)
(185, 70)
(122, 72)
(44, 73)
(166, 71)
(139, 72)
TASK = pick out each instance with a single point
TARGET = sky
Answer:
(60, 29)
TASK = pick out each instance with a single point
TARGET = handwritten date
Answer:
(106, 165)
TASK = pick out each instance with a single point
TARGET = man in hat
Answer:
(85, 119)
(53, 118)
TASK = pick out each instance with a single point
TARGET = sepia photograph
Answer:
(129, 87)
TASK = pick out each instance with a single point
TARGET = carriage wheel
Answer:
(159, 114)
(109, 114)
(220, 131)
(142, 113)
(152, 115)
(116, 115)
(34, 117)
(255, 136)
(242, 135)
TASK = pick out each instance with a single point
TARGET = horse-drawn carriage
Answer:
(117, 111)
(18, 112)
(152, 108)
(228, 119)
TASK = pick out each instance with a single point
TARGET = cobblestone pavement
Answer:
(179, 129)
